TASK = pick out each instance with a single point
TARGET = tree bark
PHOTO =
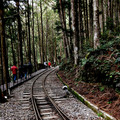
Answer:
(13, 52)
(96, 24)
(91, 21)
(39, 36)
(62, 13)
(29, 46)
(74, 12)
(3, 45)
(19, 33)
(81, 33)
(34, 58)
(42, 47)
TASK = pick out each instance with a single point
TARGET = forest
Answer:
(79, 35)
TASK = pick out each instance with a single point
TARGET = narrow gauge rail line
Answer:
(62, 114)
(38, 115)
(34, 104)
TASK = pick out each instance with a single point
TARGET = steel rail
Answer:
(35, 108)
(63, 115)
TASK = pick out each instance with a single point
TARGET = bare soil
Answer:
(103, 97)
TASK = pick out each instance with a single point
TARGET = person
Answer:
(66, 92)
(49, 64)
(25, 67)
(21, 71)
(14, 71)
(30, 68)
(45, 64)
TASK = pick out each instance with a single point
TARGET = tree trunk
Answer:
(96, 24)
(42, 47)
(105, 13)
(70, 38)
(102, 16)
(81, 33)
(3, 45)
(74, 13)
(117, 12)
(29, 46)
(64, 40)
(19, 33)
(62, 13)
(13, 52)
(34, 59)
(86, 17)
(39, 36)
(91, 21)
(47, 29)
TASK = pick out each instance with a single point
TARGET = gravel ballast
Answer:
(14, 109)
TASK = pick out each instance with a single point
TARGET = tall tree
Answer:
(81, 33)
(3, 44)
(63, 21)
(96, 24)
(29, 46)
(42, 47)
(19, 32)
(74, 7)
(91, 20)
(34, 58)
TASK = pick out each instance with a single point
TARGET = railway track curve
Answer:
(43, 105)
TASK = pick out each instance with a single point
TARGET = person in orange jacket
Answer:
(49, 64)
(14, 71)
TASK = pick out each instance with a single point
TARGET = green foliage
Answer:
(109, 102)
(102, 88)
(117, 90)
(103, 64)
(100, 114)
(109, 23)
(66, 65)
(77, 79)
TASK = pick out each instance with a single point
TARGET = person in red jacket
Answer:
(14, 71)
(49, 64)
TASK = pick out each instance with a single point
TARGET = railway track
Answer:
(47, 93)
(43, 106)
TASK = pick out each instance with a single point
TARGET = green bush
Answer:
(103, 65)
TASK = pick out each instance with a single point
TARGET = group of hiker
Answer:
(47, 64)
(23, 70)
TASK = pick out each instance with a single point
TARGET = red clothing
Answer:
(49, 63)
(14, 69)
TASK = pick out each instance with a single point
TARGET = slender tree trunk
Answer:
(96, 24)
(29, 46)
(33, 37)
(81, 33)
(105, 13)
(91, 21)
(70, 38)
(86, 17)
(3, 44)
(39, 36)
(26, 33)
(64, 40)
(47, 29)
(42, 47)
(117, 6)
(19, 33)
(102, 16)
(55, 59)
(13, 52)
(62, 12)
(74, 12)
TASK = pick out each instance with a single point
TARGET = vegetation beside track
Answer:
(98, 76)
